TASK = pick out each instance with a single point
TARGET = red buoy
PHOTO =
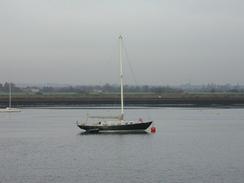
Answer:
(153, 129)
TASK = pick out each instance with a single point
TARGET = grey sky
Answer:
(168, 41)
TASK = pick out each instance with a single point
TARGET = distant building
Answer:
(35, 90)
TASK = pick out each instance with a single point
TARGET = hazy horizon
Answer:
(183, 85)
(169, 42)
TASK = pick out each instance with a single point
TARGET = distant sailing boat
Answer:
(115, 124)
(9, 108)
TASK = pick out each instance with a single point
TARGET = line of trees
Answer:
(128, 88)
(113, 89)
(91, 88)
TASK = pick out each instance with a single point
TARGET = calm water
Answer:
(191, 145)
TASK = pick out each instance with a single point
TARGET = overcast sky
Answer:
(76, 41)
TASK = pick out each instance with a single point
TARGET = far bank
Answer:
(165, 99)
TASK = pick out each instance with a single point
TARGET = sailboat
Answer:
(9, 108)
(117, 123)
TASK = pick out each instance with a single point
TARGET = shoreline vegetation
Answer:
(187, 95)
(113, 99)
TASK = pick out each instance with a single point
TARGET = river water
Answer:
(203, 145)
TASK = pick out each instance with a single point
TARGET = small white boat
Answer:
(9, 108)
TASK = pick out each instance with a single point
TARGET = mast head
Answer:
(120, 37)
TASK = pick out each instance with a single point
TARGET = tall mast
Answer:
(121, 78)
(10, 93)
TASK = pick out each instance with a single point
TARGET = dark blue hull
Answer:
(116, 128)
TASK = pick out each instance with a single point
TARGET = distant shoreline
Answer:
(146, 100)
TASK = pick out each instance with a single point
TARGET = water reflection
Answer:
(115, 133)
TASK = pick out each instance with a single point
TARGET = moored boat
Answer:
(115, 124)
(9, 108)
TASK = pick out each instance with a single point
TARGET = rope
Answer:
(129, 63)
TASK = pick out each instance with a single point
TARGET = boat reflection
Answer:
(116, 133)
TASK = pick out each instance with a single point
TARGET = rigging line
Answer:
(133, 74)
(129, 63)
